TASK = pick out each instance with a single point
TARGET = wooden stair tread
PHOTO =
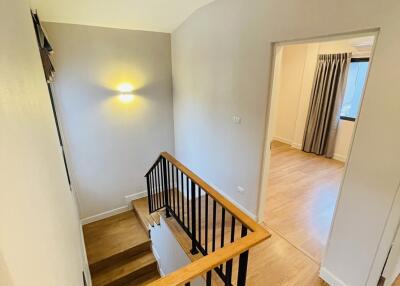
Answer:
(156, 217)
(144, 279)
(113, 236)
(126, 270)
(141, 209)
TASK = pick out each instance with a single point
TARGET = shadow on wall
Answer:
(5, 276)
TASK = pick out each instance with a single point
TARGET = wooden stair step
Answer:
(113, 237)
(144, 279)
(125, 271)
(141, 209)
(126, 254)
(156, 217)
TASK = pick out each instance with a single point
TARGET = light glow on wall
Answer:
(125, 97)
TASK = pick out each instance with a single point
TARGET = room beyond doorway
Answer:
(316, 98)
(302, 194)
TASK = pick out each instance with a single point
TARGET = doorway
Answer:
(303, 170)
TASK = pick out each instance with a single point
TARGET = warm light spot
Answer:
(125, 87)
(125, 98)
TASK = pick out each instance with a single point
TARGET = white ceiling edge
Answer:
(145, 15)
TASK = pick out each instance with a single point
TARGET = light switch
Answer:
(237, 119)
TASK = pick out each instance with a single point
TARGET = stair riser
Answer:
(98, 266)
(145, 269)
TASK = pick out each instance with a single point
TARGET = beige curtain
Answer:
(326, 100)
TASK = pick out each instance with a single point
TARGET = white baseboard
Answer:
(297, 146)
(339, 157)
(116, 211)
(104, 215)
(238, 205)
(281, 139)
(330, 278)
(133, 197)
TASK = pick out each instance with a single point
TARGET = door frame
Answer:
(393, 219)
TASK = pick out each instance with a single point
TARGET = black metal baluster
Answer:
(148, 192)
(177, 194)
(166, 204)
(193, 210)
(199, 199)
(233, 224)
(214, 224)
(222, 233)
(173, 187)
(153, 190)
(208, 281)
(243, 259)
(228, 274)
(187, 202)
(168, 189)
(223, 227)
(183, 199)
(206, 225)
(158, 186)
(161, 186)
(177, 189)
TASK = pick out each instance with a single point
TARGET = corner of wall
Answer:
(115, 211)
(330, 278)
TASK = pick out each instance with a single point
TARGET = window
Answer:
(354, 88)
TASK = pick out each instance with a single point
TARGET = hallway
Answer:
(301, 197)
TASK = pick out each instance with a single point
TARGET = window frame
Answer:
(354, 60)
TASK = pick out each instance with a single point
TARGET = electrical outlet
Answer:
(240, 189)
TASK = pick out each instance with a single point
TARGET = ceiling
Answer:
(146, 15)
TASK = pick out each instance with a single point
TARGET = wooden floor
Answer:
(397, 282)
(301, 197)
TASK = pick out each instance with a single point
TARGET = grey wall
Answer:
(221, 67)
(39, 223)
(111, 145)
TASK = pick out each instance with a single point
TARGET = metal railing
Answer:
(217, 228)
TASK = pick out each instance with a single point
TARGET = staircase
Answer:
(216, 235)
(119, 252)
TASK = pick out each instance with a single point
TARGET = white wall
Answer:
(111, 145)
(291, 82)
(221, 66)
(297, 76)
(39, 224)
(169, 258)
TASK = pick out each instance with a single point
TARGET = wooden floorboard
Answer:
(301, 197)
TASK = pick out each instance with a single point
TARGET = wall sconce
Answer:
(126, 95)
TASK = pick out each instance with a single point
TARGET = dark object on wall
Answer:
(44, 48)
(326, 99)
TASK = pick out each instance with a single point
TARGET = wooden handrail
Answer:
(234, 210)
(222, 255)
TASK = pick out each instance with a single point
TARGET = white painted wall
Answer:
(221, 67)
(291, 82)
(111, 145)
(297, 76)
(39, 224)
(172, 257)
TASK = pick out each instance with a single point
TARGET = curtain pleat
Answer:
(326, 100)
